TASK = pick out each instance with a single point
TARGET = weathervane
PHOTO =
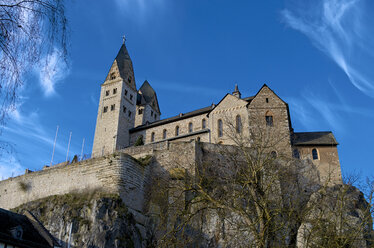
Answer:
(124, 39)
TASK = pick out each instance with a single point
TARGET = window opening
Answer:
(114, 91)
(274, 154)
(125, 92)
(164, 133)
(315, 154)
(269, 120)
(238, 124)
(220, 128)
(267, 100)
(190, 127)
(130, 97)
(124, 109)
(140, 111)
(107, 93)
(203, 124)
(153, 137)
(176, 130)
(129, 113)
(112, 75)
(296, 153)
(105, 109)
(112, 107)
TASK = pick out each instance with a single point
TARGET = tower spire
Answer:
(122, 67)
(237, 92)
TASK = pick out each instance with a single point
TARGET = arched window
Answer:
(176, 130)
(274, 154)
(164, 134)
(269, 119)
(315, 154)
(296, 153)
(203, 124)
(190, 127)
(153, 137)
(112, 75)
(220, 128)
(238, 124)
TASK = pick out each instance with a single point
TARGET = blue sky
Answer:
(316, 55)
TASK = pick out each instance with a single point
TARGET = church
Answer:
(129, 116)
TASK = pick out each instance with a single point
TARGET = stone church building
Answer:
(128, 115)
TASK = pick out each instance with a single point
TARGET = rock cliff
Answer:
(95, 220)
(335, 217)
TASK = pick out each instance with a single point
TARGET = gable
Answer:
(265, 97)
(229, 103)
(122, 69)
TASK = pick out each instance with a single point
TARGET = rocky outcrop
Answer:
(337, 216)
(95, 220)
(308, 214)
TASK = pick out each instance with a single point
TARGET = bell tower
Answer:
(116, 113)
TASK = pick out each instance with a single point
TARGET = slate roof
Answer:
(33, 231)
(248, 99)
(147, 95)
(180, 116)
(172, 119)
(314, 138)
(124, 65)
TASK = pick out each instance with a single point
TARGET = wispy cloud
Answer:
(29, 126)
(10, 167)
(343, 30)
(316, 110)
(52, 71)
(29, 138)
(140, 8)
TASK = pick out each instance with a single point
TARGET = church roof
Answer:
(122, 67)
(172, 119)
(147, 95)
(181, 116)
(248, 99)
(314, 138)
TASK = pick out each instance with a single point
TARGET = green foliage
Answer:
(139, 141)
(144, 160)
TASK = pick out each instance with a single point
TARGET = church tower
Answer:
(147, 108)
(117, 107)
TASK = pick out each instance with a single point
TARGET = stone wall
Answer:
(116, 173)
(327, 163)
(112, 126)
(170, 130)
(121, 173)
(267, 103)
(227, 111)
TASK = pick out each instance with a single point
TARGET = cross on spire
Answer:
(124, 39)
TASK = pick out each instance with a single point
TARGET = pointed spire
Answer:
(122, 67)
(237, 92)
(148, 96)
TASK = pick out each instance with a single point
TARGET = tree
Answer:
(252, 194)
(30, 30)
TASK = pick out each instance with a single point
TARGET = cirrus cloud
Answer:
(52, 71)
(341, 29)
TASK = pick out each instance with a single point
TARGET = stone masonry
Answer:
(126, 115)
